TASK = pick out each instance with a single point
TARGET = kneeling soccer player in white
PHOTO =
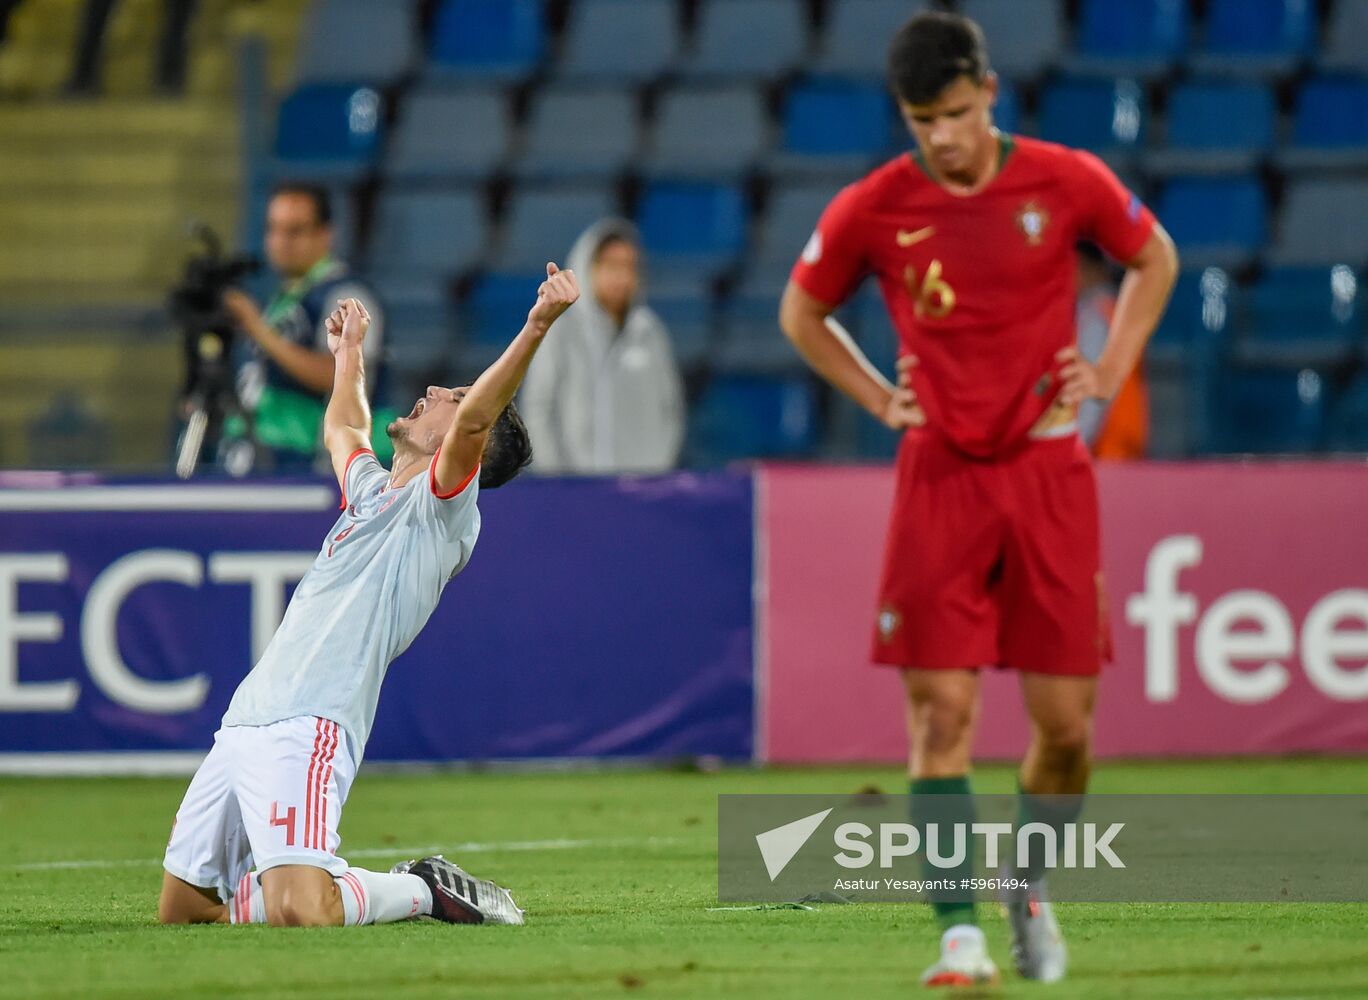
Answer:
(271, 791)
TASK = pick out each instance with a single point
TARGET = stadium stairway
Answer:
(97, 194)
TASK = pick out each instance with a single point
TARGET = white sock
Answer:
(382, 898)
(248, 905)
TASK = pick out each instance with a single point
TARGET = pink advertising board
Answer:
(1239, 606)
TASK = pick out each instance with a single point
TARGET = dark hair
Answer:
(316, 193)
(508, 450)
(932, 51)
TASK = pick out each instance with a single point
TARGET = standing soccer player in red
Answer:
(993, 546)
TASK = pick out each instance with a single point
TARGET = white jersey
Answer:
(369, 593)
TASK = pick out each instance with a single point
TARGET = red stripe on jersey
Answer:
(432, 480)
(347, 468)
(309, 781)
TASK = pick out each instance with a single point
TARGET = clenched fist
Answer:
(557, 293)
(347, 325)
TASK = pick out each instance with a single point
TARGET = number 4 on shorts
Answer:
(287, 821)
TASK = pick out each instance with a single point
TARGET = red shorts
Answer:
(993, 563)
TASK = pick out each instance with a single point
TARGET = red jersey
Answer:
(981, 287)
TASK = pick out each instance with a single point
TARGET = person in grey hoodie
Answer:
(605, 397)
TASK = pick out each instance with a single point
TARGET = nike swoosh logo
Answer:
(906, 239)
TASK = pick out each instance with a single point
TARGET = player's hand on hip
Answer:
(347, 324)
(556, 294)
(903, 409)
(1080, 377)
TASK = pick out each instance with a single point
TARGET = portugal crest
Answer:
(1032, 220)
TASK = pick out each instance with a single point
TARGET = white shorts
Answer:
(265, 795)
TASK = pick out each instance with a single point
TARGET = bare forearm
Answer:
(1139, 307)
(347, 408)
(496, 387)
(832, 353)
(311, 369)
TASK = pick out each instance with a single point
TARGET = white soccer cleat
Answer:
(1037, 945)
(964, 959)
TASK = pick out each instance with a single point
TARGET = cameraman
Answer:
(287, 372)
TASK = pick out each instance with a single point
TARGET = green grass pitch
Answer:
(616, 870)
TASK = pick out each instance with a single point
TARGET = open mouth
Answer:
(417, 409)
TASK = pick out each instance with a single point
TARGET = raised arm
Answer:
(464, 443)
(347, 422)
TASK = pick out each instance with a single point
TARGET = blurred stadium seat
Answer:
(1348, 424)
(1348, 27)
(329, 131)
(1106, 117)
(579, 133)
(1269, 412)
(1130, 37)
(833, 125)
(742, 416)
(349, 40)
(693, 227)
(857, 34)
(1216, 127)
(623, 41)
(728, 39)
(1303, 318)
(1331, 125)
(542, 222)
(1219, 222)
(494, 39)
(1261, 37)
(1313, 229)
(1025, 37)
(689, 121)
(424, 239)
(789, 220)
(449, 134)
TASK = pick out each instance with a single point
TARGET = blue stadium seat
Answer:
(857, 35)
(493, 39)
(835, 125)
(1215, 221)
(425, 238)
(1130, 37)
(542, 223)
(1198, 319)
(1303, 318)
(1216, 128)
(751, 338)
(1271, 412)
(725, 43)
(348, 40)
(751, 416)
(1106, 117)
(579, 133)
(1025, 37)
(1348, 424)
(1331, 125)
(1313, 227)
(694, 227)
(789, 221)
(444, 133)
(686, 309)
(495, 308)
(1007, 112)
(713, 132)
(419, 338)
(623, 41)
(1344, 50)
(1263, 37)
(329, 131)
